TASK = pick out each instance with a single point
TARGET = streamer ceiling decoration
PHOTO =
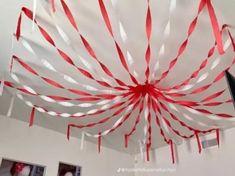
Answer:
(101, 92)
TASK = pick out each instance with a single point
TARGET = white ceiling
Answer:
(132, 15)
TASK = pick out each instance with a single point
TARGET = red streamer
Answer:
(147, 152)
(198, 142)
(31, 119)
(99, 142)
(172, 152)
(184, 44)
(53, 5)
(215, 26)
(119, 51)
(126, 140)
(148, 50)
(218, 137)
(157, 98)
(63, 55)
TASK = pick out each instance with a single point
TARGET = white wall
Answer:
(45, 147)
(211, 162)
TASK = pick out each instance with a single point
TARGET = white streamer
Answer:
(27, 46)
(2, 85)
(82, 141)
(203, 77)
(9, 112)
(63, 35)
(141, 150)
(127, 110)
(130, 58)
(166, 34)
(34, 14)
(78, 114)
(214, 65)
(66, 77)
(122, 32)
(114, 3)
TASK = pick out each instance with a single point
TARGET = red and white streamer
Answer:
(123, 101)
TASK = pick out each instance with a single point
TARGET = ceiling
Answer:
(91, 25)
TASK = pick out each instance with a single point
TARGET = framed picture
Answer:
(68, 170)
(19, 168)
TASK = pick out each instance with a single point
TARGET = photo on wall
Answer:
(69, 170)
(19, 168)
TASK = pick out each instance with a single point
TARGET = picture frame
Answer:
(67, 169)
(13, 167)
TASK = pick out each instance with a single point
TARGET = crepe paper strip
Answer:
(90, 51)
(205, 111)
(128, 112)
(9, 112)
(183, 45)
(217, 103)
(31, 119)
(177, 132)
(52, 82)
(172, 151)
(213, 96)
(126, 140)
(53, 5)
(149, 120)
(218, 136)
(137, 120)
(215, 26)
(148, 152)
(124, 37)
(126, 117)
(183, 124)
(99, 142)
(87, 46)
(69, 14)
(119, 51)
(68, 132)
(153, 95)
(104, 120)
(121, 120)
(106, 18)
(82, 141)
(204, 63)
(173, 117)
(148, 27)
(206, 87)
(198, 142)
(34, 14)
(157, 121)
(63, 55)
(157, 94)
(163, 134)
(18, 28)
(115, 127)
(75, 115)
(2, 85)
(63, 100)
(232, 39)
(141, 149)
(24, 65)
(166, 34)
(148, 131)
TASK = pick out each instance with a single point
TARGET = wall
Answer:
(45, 147)
(211, 162)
